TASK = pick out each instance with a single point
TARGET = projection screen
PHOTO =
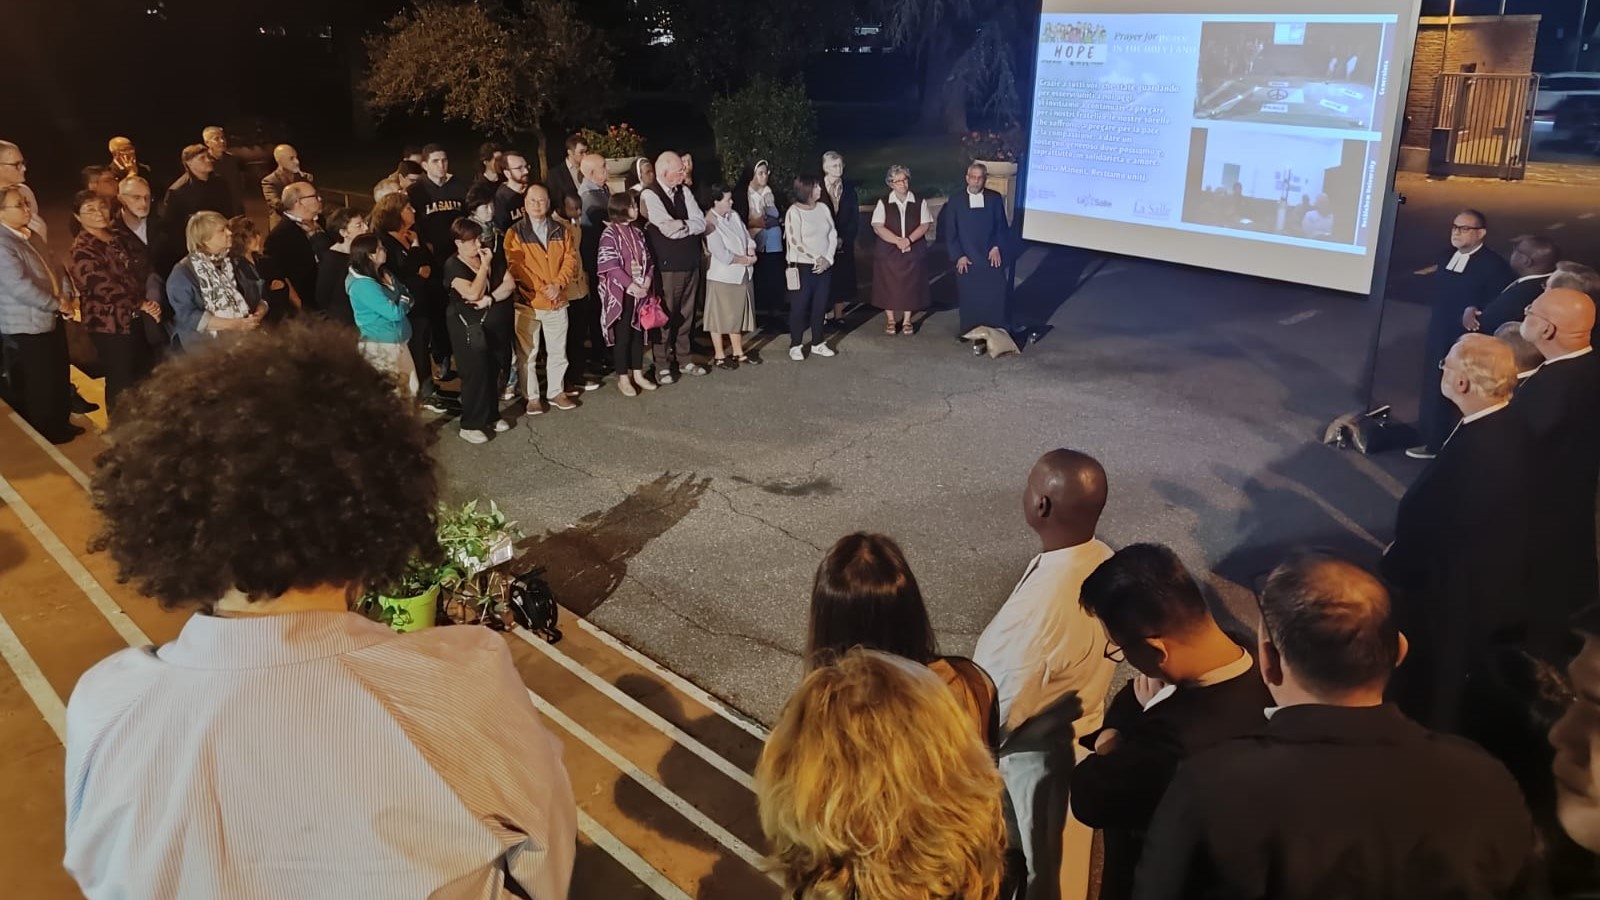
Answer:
(1256, 138)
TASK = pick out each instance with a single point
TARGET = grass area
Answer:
(937, 163)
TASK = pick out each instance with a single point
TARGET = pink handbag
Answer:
(651, 315)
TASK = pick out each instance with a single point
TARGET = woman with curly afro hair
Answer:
(283, 746)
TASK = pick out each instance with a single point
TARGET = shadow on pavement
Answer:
(585, 564)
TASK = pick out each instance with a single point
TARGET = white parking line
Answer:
(38, 687)
(676, 680)
(69, 564)
(679, 805)
(633, 862)
(52, 451)
(644, 713)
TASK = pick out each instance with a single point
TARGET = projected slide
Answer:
(1254, 142)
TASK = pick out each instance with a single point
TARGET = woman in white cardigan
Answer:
(810, 241)
(730, 294)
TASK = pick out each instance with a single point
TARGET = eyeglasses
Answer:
(1114, 653)
(1454, 229)
(21, 163)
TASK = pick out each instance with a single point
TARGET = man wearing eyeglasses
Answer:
(14, 171)
(1470, 276)
(509, 197)
(31, 306)
(1559, 403)
(298, 240)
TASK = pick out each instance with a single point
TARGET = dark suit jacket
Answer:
(1508, 306)
(188, 196)
(1486, 275)
(1118, 792)
(272, 191)
(560, 184)
(294, 254)
(1335, 802)
(1459, 563)
(1559, 404)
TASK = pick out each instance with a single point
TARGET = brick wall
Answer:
(1496, 45)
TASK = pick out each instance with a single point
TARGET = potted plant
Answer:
(411, 603)
(475, 542)
(619, 144)
(997, 150)
(471, 543)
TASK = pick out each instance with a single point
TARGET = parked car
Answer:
(1577, 124)
(1558, 86)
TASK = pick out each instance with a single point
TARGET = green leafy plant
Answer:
(994, 146)
(616, 142)
(771, 120)
(469, 586)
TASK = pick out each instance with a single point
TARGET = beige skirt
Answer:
(395, 361)
(730, 308)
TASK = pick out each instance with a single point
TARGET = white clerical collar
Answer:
(1527, 278)
(1458, 262)
(1524, 376)
(1566, 356)
(1485, 413)
(1226, 672)
(975, 200)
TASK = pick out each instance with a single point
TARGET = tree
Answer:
(719, 45)
(503, 71)
(768, 120)
(967, 50)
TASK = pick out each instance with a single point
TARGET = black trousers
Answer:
(126, 358)
(40, 380)
(807, 305)
(421, 333)
(477, 359)
(440, 337)
(627, 353)
(585, 344)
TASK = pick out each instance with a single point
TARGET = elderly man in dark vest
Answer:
(675, 228)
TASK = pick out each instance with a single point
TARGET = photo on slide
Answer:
(1272, 182)
(1317, 74)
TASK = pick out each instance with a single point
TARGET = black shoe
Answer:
(725, 362)
(749, 359)
(979, 348)
(82, 407)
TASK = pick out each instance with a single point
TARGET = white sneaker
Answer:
(822, 350)
(501, 426)
(797, 354)
(473, 436)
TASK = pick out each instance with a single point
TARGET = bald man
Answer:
(676, 228)
(296, 244)
(125, 159)
(288, 172)
(1337, 795)
(1459, 562)
(1559, 403)
(1045, 653)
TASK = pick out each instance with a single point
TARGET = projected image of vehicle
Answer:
(1290, 73)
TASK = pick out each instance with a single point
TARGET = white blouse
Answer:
(726, 238)
(809, 234)
(880, 213)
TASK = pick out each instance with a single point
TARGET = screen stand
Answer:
(1368, 429)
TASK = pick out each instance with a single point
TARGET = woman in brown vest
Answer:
(899, 278)
(864, 595)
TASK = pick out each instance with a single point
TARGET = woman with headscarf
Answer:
(642, 178)
(755, 201)
(899, 276)
(204, 290)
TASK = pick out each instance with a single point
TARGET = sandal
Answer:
(890, 328)
(908, 329)
(745, 359)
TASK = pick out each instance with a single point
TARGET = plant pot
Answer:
(411, 613)
(619, 166)
(999, 169)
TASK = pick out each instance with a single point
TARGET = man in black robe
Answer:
(977, 235)
(1459, 561)
(1470, 275)
(1559, 402)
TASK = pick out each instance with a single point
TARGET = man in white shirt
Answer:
(1046, 655)
(675, 229)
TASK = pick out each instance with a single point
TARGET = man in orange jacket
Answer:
(543, 259)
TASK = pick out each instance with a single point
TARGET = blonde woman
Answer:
(874, 786)
(204, 289)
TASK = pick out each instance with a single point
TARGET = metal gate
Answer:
(1484, 125)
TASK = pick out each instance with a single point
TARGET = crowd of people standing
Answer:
(583, 280)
